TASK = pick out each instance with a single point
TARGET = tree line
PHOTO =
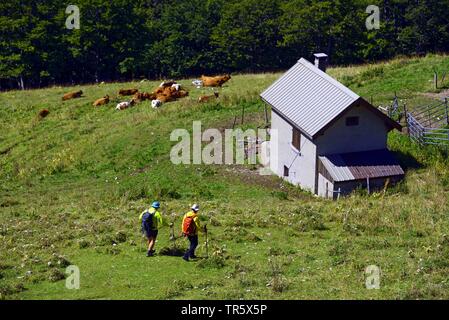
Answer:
(153, 39)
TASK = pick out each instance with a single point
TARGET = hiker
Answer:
(190, 227)
(151, 222)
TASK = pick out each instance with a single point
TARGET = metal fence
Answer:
(429, 125)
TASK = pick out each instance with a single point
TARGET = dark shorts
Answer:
(151, 233)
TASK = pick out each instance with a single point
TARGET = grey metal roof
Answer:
(361, 165)
(308, 97)
(320, 55)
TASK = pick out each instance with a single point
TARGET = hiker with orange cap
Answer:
(190, 227)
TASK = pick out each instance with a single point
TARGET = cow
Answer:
(165, 98)
(127, 92)
(142, 96)
(217, 81)
(168, 83)
(125, 105)
(181, 94)
(102, 101)
(207, 98)
(72, 95)
(156, 103)
(197, 83)
(168, 91)
(43, 113)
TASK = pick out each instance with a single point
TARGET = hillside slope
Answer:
(73, 184)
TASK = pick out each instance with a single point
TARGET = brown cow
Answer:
(207, 98)
(142, 96)
(128, 92)
(180, 94)
(102, 101)
(217, 81)
(168, 91)
(165, 98)
(43, 113)
(72, 95)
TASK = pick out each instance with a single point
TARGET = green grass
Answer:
(74, 184)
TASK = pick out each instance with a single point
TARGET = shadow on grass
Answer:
(407, 161)
(173, 251)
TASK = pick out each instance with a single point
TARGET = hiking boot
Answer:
(185, 258)
(150, 253)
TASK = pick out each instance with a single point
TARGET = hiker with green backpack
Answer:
(151, 220)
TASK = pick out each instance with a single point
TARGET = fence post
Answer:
(266, 114)
(406, 119)
(435, 79)
(233, 125)
(367, 185)
(447, 113)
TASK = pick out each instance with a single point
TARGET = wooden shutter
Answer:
(296, 139)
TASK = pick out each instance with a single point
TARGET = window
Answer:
(296, 139)
(286, 171)
(352, 121)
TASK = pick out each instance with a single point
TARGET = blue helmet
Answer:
(156, 205)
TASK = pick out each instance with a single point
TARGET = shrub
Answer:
(309, 220)
(120, 237)
(82, 244)
(56, 275)
(281, 195)
(339, 252)
(278, 284)
(214, 262)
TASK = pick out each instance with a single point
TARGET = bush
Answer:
(120, 237)
(214, 262)
(82, 244)
(309, 220)
(339, 252)
(281, 195)
(56, 275)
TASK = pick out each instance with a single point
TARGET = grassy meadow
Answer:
(72, 186)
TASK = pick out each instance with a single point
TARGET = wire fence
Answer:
(429, 125)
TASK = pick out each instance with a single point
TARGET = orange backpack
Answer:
(189, 226)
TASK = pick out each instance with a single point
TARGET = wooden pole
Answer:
(368, 186)
(406, 119)
(207, 242)
(266, 114)
(435, 79)
(447, 111)
(243, 113)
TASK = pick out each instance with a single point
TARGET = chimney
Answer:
(321, 61)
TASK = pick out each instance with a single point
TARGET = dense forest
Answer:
(123, 39)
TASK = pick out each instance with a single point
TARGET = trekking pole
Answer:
(172, 232)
